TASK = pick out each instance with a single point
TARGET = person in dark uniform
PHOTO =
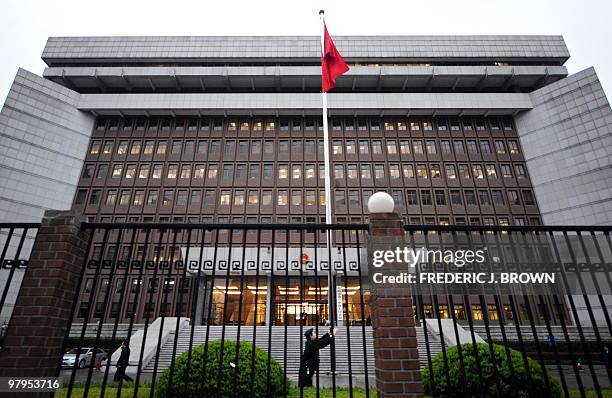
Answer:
(607, 359)
(309, 363)
(123, 362)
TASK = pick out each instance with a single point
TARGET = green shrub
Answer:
(206, 376)
(510, 384)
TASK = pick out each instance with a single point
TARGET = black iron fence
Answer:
(502, 337)
(221, 310)
(194, 299)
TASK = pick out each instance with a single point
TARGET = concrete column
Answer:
(33, 345)
(396, 354)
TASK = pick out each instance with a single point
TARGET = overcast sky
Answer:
(26, 24)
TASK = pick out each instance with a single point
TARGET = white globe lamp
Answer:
(381, 202)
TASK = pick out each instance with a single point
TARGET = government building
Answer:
(459, 130)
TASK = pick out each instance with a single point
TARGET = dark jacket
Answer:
(124, 358)
(311, 350)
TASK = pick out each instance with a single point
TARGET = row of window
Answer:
(350, 172)
(306, 197)
(297, 148)
(307, 124)
(283, 219)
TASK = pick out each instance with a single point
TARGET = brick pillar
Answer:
(33, 344)
(396, 354)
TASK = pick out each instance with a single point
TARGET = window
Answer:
(500, 148)
(228, 172)
(459, 148)
(144, 171)
(296, 197)
(80, 196)
(485, 147)
(282, 198)
(88, 170)
(375, 125)
(528, 198)
(340, 198)
(157, 171)
(229, 149)
(421, 171)
(239, 197)
(209, 197)
(296, 172)
(268, 171)
(232, 125)
(270, 125)
(427, 126)
(366, 172)
(414, 126)
(513, 147)
(186, 171)
(309, 171)
(311, 197)
(122, 148)
(102, 171)
(124, 200)
(95, 148)
(111, 198)
(484, 198)
(215, 147)
(408, 171)
(254, 171)
(135, 150)
(240, 172)
(491, 171)
(172, 171)
(442, 125)
(225, 198)
(351, 147)
(130, 171)
(139, 197)
(108, 147)
(426, 199)
(337, 148)
(161, 147)
(506, 170)
(455, 197)
(417, 147)
(498, 197)
(431, 147)
(477, 170)
(338, 171)
(377, 147)
(351, 171)
(440, 196)
(411, 197)
(471, 147)
(445, 147)
(198, 173)
(253, 197)
(435, 170)
(283, 172)
(470, 198)
(520, 171)
(394, 171)
(391, 147)
(266, 198)
(310, 147)
(464, 171)
(513, 197)
(398, 198)
(364, 147)
(149, 147)
(152, 198)
(213, 171)
(176, 147)
(268, 147)
(296, 148)
(450, 171)
(379, 171)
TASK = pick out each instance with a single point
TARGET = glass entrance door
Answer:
(300, 302)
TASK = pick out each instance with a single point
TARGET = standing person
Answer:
(309, 363)
(607, 359)
(123, 362)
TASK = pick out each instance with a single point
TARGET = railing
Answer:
(558, 335)
(193, 293)
(16, 240)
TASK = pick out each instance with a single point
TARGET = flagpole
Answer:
(328, 202)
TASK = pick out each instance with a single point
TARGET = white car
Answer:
(85, 357)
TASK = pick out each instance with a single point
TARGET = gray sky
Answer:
(26, 24)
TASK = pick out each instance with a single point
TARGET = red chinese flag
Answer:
(332, 64)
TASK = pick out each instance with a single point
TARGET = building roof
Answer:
(229, 49)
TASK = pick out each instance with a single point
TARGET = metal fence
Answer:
(565, 330)
(182, 292)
